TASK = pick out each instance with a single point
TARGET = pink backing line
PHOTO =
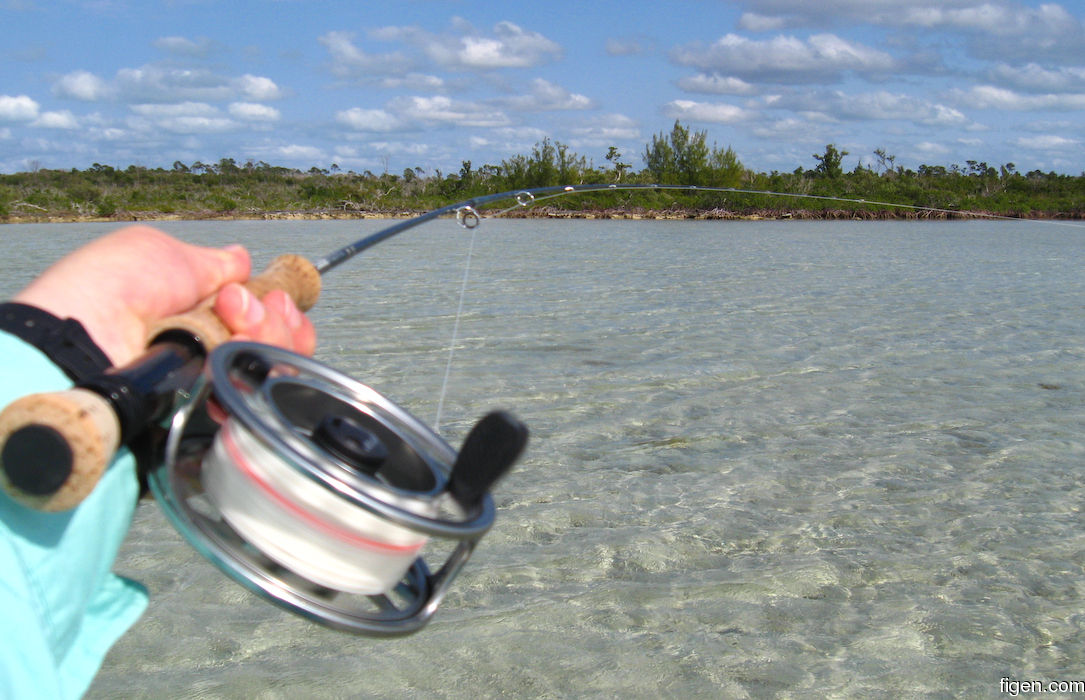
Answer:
(353, 538)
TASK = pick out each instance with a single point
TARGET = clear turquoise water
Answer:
(769, 460)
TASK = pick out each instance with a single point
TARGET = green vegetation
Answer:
(681, 157)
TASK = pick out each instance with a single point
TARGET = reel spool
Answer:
(318, 493)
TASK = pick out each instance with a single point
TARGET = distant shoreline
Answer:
(633, 214)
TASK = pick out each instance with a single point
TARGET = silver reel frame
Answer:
(176, 484)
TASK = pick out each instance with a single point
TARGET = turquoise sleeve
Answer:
(63, 608)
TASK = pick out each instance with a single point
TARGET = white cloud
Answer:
(716, 85)
(182, 46)
(623, 47)
(299, 153)
(1047, 29)
(181, 118)
(929, 148)
(781, 128)
(753, 22)
(940, 115)
(349, 61)
(510, 47)
(546, 96)
(414, 81)
(368, 119)
(880, 105)
(606, 130)
(887, 105)
(466, 48)
(253, 112)
(785, 59)
(988, 17)
(707, 112)
(17, 109)
(81, 85)
(1035, 78)
(991, 97)
(413, 148)
(179, 109)
(515, 138)
(256, 88)
(509, 140)
(1046, 142)
(442, 109)
(998, 17)
(155, 83)
(56, 120)
(198, 125)
(107, 134)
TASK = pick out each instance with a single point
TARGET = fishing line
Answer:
(469, 219)
(529, 197)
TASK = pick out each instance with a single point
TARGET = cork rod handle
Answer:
(54, 447)
(291, 273)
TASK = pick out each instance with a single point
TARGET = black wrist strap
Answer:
(65, 342)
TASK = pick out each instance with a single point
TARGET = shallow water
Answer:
(801, 459)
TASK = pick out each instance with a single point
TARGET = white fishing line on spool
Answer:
(301, 524)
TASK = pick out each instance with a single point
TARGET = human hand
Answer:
(117, 286)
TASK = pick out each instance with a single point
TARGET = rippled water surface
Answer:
(768, 460)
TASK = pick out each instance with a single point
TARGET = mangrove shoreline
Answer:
(543, 212)
(716, 186)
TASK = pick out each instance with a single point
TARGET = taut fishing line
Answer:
(469, 219)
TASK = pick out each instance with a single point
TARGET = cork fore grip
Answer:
(56, 446)
(291, 273)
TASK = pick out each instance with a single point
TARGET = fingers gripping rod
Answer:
(55, 446)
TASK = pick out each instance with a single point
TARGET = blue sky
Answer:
(385, 86)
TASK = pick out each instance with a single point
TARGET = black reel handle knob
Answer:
(488, 452)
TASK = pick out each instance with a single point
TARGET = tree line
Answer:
(679, 157)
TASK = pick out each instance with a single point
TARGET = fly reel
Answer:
(318, 493)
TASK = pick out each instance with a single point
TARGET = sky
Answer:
(429, 84)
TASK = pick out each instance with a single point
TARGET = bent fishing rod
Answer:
(56, 446)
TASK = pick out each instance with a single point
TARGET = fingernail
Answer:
(251, 308)
(293, 315)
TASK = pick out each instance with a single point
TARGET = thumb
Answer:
(213, 268)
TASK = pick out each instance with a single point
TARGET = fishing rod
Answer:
(315, 491)
(56, 446)
(145, 391)
(310, 489)
(74, 428)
